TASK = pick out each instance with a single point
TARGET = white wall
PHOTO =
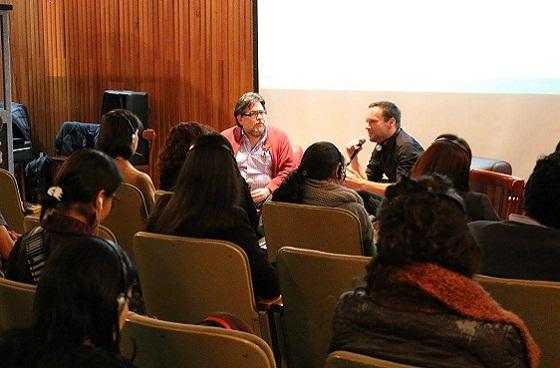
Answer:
(516, 128)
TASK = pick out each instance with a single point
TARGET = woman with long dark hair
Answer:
(81, 197)
(80, 307)
(208, 203)
(118, 137)
(317, 181)
(420, 305)
(451, 156)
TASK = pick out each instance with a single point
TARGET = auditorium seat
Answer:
(346, 359)
(535, 303)
(335, 230)
(162, 344)
(491, 164)
(183, 279)
(11, 204)
(298, 153)
(16, 304)
(128, 216)
(160, 193)
(311, 283)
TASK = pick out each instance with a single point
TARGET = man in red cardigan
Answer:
(263, 153)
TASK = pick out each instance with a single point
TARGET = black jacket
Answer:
(438, 339)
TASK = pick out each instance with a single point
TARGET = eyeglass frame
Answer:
(255, 114)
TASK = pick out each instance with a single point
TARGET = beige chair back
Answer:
(16, 304)
(183, 279)
(11, 205)
(312, 282)
(346, 359)
(31, 221)
(536, 303)
(328, 229)
(161, 344)
(128, 216)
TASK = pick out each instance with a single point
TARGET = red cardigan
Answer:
(281, 152)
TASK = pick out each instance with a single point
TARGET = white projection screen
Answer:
(488, 71)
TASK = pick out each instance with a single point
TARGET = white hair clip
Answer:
(55, 192)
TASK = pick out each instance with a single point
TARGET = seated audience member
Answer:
(82, 196)
(173, 154)
(7, 239)
(451, 156)
(527, 246)
(80, 307)
(118, 137)
(420, 305)
(207, 203)
(263, 153)
(317, 181)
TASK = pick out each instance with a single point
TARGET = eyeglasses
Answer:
(254, 114)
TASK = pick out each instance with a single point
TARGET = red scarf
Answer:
(466, 297)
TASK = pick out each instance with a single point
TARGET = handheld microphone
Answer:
(357, 149)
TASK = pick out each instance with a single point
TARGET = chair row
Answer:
(155, 343)
(179, 286)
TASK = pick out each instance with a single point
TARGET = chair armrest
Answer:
(270, 304)
(149, 134)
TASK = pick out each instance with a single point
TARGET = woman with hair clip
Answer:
(81, 197)
(208, 203)
(80, 307)
(118, 137)
(317, 181)
(420, 305)
(451, 156)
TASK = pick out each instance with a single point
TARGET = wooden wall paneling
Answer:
(194, 58)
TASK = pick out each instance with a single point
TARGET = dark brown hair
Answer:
(172, 155)
(421, 221)
(448, 155)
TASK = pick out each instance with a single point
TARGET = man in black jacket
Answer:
(527, 246)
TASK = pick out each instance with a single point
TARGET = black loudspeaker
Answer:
(137, 103)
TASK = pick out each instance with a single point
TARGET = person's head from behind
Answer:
(208, 186)
(119, 133)
(85, 186)
(542, 191)
(320, 161)
(177, 143)
(82, 296)
(448, 155)
(422, 220)
(382, 120)
(250, 114)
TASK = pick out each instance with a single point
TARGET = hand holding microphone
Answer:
(353, 147)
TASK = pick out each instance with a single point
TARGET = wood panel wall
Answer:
(193, 57)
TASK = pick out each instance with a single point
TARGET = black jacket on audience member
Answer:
(58, 230)
(515, 250)
(438, 339)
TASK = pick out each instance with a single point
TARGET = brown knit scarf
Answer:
(466, 297)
